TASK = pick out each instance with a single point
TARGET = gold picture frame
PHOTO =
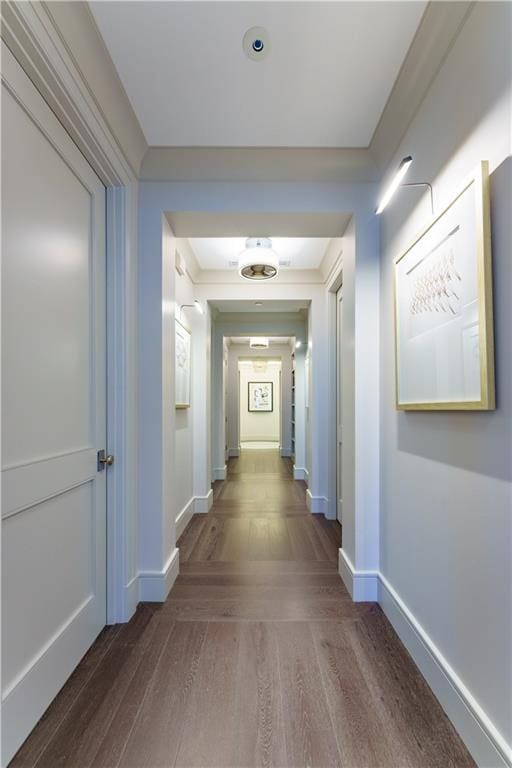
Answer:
(438, 287)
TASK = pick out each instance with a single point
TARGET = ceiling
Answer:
(296, 252)
(329, 72)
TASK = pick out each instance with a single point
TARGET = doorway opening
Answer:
(259, 396)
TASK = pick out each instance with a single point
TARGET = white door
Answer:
(339, 394)
(53, 406)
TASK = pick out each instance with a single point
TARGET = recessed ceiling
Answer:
(325, 81)
(296, 252)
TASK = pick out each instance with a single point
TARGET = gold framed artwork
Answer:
(444, 346)
(182, 366)
(260, 396)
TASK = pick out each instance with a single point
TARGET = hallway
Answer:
(257, 658)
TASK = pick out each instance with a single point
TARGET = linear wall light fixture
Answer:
(395, 184)
(196, 305)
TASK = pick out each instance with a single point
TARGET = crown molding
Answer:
(434, 38)
(33, 37)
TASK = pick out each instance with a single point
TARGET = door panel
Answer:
(53, 405)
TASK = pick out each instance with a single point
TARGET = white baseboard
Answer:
(317, 505)
(361, 585)
(219, 473)
(130, 601)
(300, 473)
(154, 586)
(184, 517)
(195, 505)
(29, 694)
(203, 504)
(285, 453)
(487, 746)
(234, 453)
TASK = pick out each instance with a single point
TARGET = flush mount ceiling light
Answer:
(256, 43)
(258, 343)
(259, 261)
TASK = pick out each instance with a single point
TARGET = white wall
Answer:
(446, 504)
(260, 426)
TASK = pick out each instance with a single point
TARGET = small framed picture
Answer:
(261, 396)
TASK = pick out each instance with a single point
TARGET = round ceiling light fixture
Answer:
(256, 43)
(259, 261)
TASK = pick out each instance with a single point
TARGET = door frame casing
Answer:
(333, 286)
(339, 403)
(35, 42)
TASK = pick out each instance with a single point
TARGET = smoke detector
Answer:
(259, 261)
(256, 43)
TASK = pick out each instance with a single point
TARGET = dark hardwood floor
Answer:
(257, 658)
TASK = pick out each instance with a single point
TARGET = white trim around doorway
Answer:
(333, 286)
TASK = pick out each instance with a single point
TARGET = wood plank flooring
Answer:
(257, 658)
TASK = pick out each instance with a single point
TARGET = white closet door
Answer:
(53, 405)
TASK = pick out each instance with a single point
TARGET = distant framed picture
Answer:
(261, 396)
(444, 348)
(182, 366)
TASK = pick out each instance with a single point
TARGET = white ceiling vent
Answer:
(256, 43)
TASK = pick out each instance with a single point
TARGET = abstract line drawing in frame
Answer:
(444, 345)
(182, 365)
(260, 397)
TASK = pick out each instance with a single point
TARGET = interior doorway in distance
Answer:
(260, 403)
